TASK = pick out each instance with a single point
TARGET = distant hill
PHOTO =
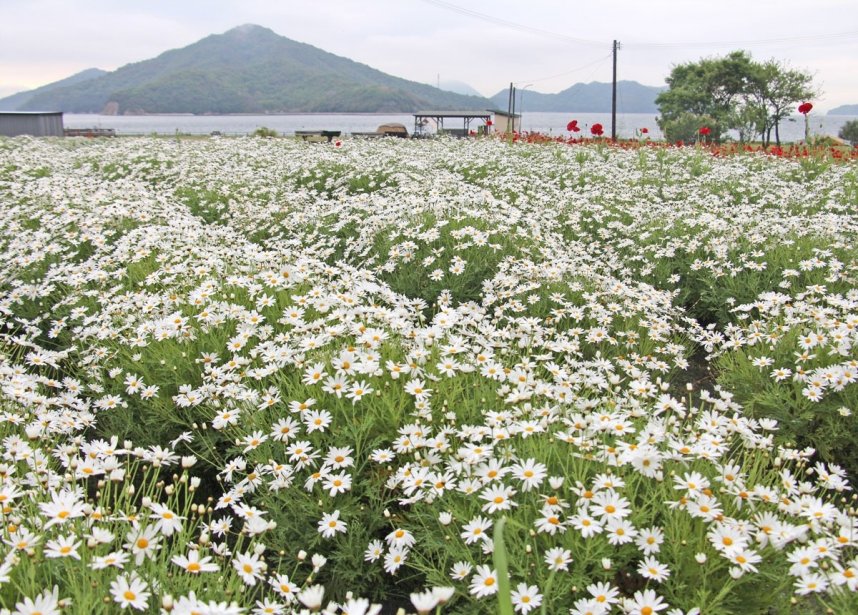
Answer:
(594, 97)
(844, 110)
(248, 69)
(17, 101)
(459, 87)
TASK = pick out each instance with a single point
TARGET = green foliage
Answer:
(710, 87)
(686, 126)
(826, 426)
(464, 254)
(736, 92)
(849, 132)
(264, 131)
(210, 205)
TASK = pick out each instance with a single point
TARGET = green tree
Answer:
(772, 95)
(712, 88)
(849, 132)
(733, 93)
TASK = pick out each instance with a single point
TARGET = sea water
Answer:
(629, 125)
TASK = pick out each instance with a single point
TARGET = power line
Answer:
(511, 24)
(567, 72)
(825, 38)
(840, 36)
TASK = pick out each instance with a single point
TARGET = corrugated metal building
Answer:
(35, 123)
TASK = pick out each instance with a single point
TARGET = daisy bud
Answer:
(147, 502)
(302, 555)
(195, 482)
(167, 602)
(386, 514)
(445, 518)
(606, 563)
(318, 561)
(259, 548)
(188, 461)
(701, 558)
(169, 489)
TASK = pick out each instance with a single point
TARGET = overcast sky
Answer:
(546, 45)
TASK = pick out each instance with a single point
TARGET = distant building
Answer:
(504, 122)
(34, 123)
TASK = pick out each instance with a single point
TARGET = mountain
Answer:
(844, 110)
(594, 97)
(248, 69)
(459, 87)
(16, 101)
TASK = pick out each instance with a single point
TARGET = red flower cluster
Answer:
(804, 108)
(705, 131)
(573, 126)
(596, 130)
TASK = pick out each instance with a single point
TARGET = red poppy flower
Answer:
(596, 130)
(489, 123)
(644, 131)
(573, 126)
(705, 130)
(805, 108)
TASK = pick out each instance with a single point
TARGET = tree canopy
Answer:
(733, 92)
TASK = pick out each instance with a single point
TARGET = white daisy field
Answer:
(451, 376)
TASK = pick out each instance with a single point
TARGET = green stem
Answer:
(500, 562)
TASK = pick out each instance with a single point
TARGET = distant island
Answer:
(595, 97)
(844, 110)
(252, 70)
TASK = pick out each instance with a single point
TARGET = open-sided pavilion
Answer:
(462, 118)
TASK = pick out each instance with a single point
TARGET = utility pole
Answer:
(514, 91)
(509, 107)
(614, 95)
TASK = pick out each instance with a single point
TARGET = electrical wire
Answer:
(565, 72)
(820, 38)
(511, 24)
(836, 37)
